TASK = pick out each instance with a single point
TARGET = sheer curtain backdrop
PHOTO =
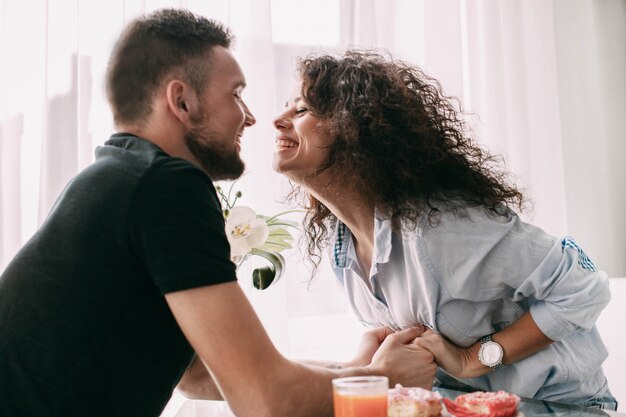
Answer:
(543, 81)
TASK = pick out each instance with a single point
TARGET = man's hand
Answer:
(404, 362)
(369, 344)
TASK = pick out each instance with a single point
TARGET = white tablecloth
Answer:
(180, 406)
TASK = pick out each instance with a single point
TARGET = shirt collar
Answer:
(383, 231)
(340, 248)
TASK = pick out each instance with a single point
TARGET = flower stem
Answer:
(284, 212)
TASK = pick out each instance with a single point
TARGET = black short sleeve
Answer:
(176, 227)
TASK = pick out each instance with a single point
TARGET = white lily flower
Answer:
(249, 234)
(244, 231)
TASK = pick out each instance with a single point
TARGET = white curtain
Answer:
(545, 85)
(543, 81)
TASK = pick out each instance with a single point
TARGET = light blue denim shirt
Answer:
(473, 274)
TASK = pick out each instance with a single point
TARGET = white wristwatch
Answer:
(490, 353)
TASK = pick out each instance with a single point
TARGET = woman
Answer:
(422, 229)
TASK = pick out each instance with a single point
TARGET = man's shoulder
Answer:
(130, 153)
(132, 160)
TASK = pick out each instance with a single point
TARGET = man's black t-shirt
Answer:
(84, 327)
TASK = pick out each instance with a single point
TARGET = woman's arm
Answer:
(485, 259)
(520, 340)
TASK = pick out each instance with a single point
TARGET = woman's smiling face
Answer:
(302, 141)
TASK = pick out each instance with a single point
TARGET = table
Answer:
(529, 407)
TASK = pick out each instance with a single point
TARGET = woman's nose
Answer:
(281, 122)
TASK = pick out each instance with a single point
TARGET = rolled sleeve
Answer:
(483, 259)
(567, 297)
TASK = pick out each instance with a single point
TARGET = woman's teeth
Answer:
(285, 144)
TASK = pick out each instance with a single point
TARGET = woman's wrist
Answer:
(472, 367)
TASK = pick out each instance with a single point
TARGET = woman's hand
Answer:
(403, 361)
(455, 360)
(369, 344)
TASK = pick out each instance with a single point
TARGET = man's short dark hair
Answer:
(154, 46)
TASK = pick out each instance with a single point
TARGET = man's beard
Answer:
(219, 163)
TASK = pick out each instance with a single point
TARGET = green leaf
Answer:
(282, 222)
(272, 247)
(265, 276)
(277, 240)
(279, 231)
(283, 213)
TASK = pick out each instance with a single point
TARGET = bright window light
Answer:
(305, 23)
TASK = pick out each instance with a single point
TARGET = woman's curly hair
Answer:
(399, 139)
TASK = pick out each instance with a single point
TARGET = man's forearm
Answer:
(327, 364)
(197, 383)
(311, 385)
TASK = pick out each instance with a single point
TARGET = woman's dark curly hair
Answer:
(399, 139)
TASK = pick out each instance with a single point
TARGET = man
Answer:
(102, 310)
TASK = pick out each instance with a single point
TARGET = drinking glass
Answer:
(360, 396)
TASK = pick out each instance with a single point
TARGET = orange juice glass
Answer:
(360, 396)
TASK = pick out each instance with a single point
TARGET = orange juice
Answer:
(360, 405)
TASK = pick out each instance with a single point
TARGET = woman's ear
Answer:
(182, 101)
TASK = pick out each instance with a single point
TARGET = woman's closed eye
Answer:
(300, 110)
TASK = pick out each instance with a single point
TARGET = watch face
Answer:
(490, 354)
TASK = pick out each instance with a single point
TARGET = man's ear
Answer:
(182, 101)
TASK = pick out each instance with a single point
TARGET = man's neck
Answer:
(168, 137)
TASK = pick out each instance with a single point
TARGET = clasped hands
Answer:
(411, 356)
